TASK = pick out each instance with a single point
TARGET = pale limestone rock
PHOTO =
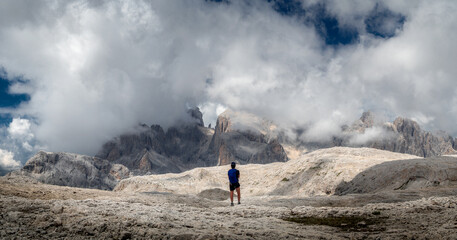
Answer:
(318, 173)
(74, 170)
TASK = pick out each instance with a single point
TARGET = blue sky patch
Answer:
(381, 21)
(8, 100)
(326, 25)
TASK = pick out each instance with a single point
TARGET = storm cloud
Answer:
(95, 69)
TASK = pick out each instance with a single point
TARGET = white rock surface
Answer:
(317, 173)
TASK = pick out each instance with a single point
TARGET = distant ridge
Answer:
(402, 135)
(240, 137)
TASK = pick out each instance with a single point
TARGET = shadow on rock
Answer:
(412, 174)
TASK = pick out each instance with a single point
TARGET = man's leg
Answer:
(231, 196)
(238, 194)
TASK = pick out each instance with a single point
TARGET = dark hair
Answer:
(233, 164)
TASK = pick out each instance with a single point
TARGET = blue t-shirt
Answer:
(233, 175)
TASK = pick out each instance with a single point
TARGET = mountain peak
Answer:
(197, 115)
(367, 119)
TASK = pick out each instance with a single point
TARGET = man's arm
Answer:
(238, 174)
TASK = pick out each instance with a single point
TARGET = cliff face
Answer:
(236, 140)
(73, 170)
(413, 140)
(237, 137)
(403, 136)
(153, 150)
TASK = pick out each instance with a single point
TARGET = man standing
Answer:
(234, 176)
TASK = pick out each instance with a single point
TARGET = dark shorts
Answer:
(234, 185)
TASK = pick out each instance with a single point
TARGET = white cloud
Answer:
(17, 141)
(27, 146)
(369, 135)
(321, 131)
(20, 128)
(210, 112)
(97, 69)
(7, 160)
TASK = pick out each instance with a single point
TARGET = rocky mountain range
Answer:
(154, 150)
(240, 137)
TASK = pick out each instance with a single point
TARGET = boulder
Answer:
(216, 194)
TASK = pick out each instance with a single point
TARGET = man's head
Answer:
(233, 165)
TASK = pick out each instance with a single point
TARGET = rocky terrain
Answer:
(73, 170)
(338, 170)
(279, 201)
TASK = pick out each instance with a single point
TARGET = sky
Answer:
(74, 74)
